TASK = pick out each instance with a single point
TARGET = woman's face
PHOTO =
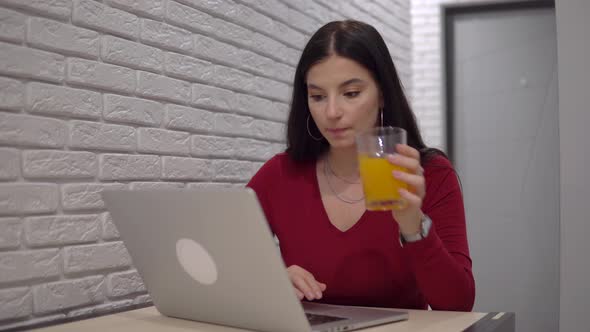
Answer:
(343, 98)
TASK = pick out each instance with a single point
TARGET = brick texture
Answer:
(152, 140)
(31, 63)
(129, 167)
(109, 230)
(62, 38)
(103, 18)
(85, 196)
(29, 265)
(12, 95)
(132, 110)
(60, 9)
(62, 230)
(25, 130)
(12, 27)
(59, 164)
(166, 36)
(58, 100)
(154, 8)
(16, 303)
(101, 136)
(100, 75)
(126, 53)
(28, 198)
(11, 233)
(94, 257)
(9, 164)
(100, 309)
(61, 295)
(124, 283)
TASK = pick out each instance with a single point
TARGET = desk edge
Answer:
(492, 323)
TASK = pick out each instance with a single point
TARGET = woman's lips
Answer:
(337, 130)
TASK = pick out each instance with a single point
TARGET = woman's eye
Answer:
(316, 97)
(352, 94)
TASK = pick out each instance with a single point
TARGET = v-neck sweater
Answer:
(367, 265)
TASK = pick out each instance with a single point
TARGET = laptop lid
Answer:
(207, 256)
(210, 256)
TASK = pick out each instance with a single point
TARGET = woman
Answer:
(337, 251)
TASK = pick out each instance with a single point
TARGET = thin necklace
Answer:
(343, 199)
(336, 175)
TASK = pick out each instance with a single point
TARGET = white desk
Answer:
(149, 319)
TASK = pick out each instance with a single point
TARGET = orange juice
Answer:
(381, 188)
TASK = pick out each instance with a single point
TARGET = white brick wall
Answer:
(11, 233)
(94, 15)
(99, 75)
(11, 94)
(85, 196)
(63, 101)
(166, 36)
(16, 303)
(44, 164)
(153, 8)
(132, 110)
(25, 62)
(13, 25)
(129, 167)
(95, 257)
(62, 37)
(9, 164)
(29, 265)
(101, 136)
(61, 230)
(28, 198)
(150, 94)
(124, 283)
(67, 294)
(126, 53)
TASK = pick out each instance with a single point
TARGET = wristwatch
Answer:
(425, 225)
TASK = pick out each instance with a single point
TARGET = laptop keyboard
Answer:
(315, 319)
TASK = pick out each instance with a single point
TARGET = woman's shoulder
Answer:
(286, 162)
(437, 167)
(437, 161)
(282, 157)
(281, 162)
(280, 166)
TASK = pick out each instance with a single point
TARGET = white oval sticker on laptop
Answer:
(196, 261)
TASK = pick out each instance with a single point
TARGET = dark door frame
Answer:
(448, 13)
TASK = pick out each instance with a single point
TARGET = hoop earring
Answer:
(309, 132)
(381, 112)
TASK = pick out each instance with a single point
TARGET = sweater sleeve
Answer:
(441, 261)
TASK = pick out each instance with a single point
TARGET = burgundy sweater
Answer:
(366, 265)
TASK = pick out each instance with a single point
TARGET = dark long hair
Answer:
(362, 43)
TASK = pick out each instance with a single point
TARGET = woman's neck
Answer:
(344, 162)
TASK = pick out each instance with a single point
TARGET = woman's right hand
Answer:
(305, 284)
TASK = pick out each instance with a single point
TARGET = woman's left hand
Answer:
(410, 216)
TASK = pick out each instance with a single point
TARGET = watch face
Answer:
(426, 224)
(412, 238)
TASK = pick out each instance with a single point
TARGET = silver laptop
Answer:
(210, 256)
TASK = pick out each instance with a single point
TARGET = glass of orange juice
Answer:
(380, 187)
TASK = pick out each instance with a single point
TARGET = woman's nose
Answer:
(332, 109)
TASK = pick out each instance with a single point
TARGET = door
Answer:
(505, 146)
